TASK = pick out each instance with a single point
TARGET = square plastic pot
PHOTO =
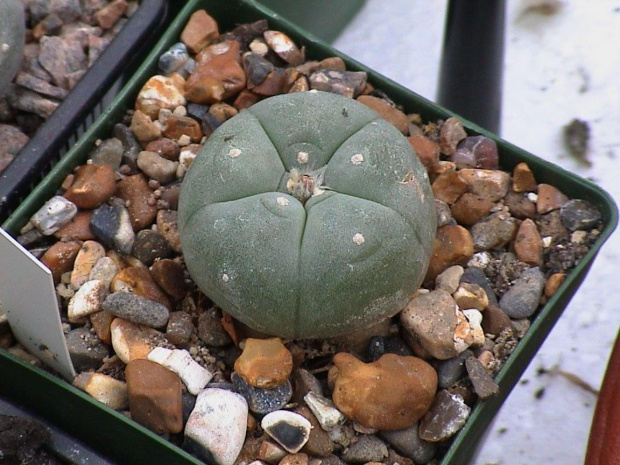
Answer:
(83, 104)
(134, 444)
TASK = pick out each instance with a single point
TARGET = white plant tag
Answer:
(28, 297)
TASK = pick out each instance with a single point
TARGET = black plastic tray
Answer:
(83, 105)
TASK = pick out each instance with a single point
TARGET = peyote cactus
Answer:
(12, 31)
(306, 216)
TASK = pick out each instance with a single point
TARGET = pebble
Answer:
(549, 198)
(138, 280)
(256, 68)
(143, 128)
(303, 383)
(85, 349)
(450, 371)
(284, 47)
(391, 393)
(87, 300)
(492, 185)
(173, 60)
(528, 245)
(101, 323)
(323, 409)
(135, 191)
(550, 226)
(157, 167)
(131, 341)
(108, 153)
(271, 453)
(319, 443)
(469, 295)
(579, 215)
(61, 58)
(494, 231)
(180, 328)
(450, 134)
(449, 279)
(216, 428)
(12, 140)
(136, 309)
(347, 83)
(199, 31)
(523, 179)
(167, 226)
(476, 152)
(40, 86)
(168, 274)
(427, 150)
(444, 215)
(259, 400)
(553, 283)
(31, 102)
(453, 245)
(495, 321)
(522, 299)
(387, 111)
(77, 229)
(160, 92)
(177, 126)
(90, 253)
(109, 15)
(470, 208)
(433, 318)
(59, 258)
(150, 245)
(131, 148)
(111, 225)
(53, 215)
(265, 363)
(481, 380)
(165, 147)
(475, 275)
(407, 442)
(92, 185)
(288, 429)
(154, 396)
(449, 186)
(107, 390)
(210, 329)
(194, 376)
(293, 459)
(445, 418)
(367, 449)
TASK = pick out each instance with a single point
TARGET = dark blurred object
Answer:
(470, 77)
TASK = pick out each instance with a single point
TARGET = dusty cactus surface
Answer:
(307, 216)
(12, 30)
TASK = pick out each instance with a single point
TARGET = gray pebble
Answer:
(109, 152)
(111, 225)
(157, 167)
(210, 329)
(447, 415)
(53, 215)
(579, 215)
(86, 349)
(136, 309)
(262, 401)
(444, 214)
(494, 231)
(131, 148)
(522, 299)
(407, 442)
(482, 381)
(31, 102)
(368, 448)
(451, 370)
(256, 68)
(173, 59)
(150, 245)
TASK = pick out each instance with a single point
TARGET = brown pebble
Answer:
(275, 83)
(549, 198)
(519, 205)
(523, 179)
(386, 111)
(78, 229)
(92, 185)
(389, 394)
(495, 321)
(284, 47)
(448, 187)
(426, 149)
(179, 328)
(553, 283)
(453, 245)
(177, 126)
(139, 281)
(470, 208)
(319, 443)
(300, 85)
(199, 31)
(168, 274)
(109, 15)
(265, 363)
(295, 459)
(245, 99)
(470, 295)
(143, 128)
(168, 227)
(222, 111)
(136, 193)
(102, 322)
(59, 258)
(450, 134)
(271, 452)
(161, 92)
(528, 244)
(165, 148)
(154, 396)
(492, 185)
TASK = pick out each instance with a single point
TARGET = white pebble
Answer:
(324, 411)
(184, 140)
(281, 423)
(532, 197)
(547, 241)
(357, 158)
(87, 300)
(53, 215)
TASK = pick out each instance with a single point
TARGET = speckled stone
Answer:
(150, 245)
(180, 328)
(523, 179)
(347, 83)
(450, 134)
(167, 226)
(482, 381)
(449, 186)
(131, 341)
(53, 215)
(494, 231)
(579, 215)
(59, 258)
(407, 441)
(136, 309)
(108, 153)
(549, 198)
(138, 280)
(157, 167)
(449, 279)
(173, 59)
(259, 400)
(470, 208)
(210, 329)
(476, 152)
(445, 418)
(90, 253)
(523, 298)
(368, 448)
(160, 92)
(86, 349)
(88, 299)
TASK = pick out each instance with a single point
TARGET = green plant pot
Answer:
(126, 441)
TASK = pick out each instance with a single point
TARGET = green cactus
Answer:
(307, 216)
(12, 31)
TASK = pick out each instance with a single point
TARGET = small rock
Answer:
(136, 309)
(168, 274)
(553, 283)
(469, 296)
(77, 229)
(53, 215)
(294, 459)
(427, 150)
(271, 453)
(445, 418)
(520, 205)
(304, 382)
(494, 231)
(173, 59)
(165, 147)
(391, 393)
(474, 275)
(111, 225)
(86, 350)
(167, 226)
(262, 400)
(549, 198)
(276, 82)
(367, 449)
(107, 390)
(449, 186)
(109, 15)
(180, 328)
(92, 185)
(284, 47)
(154, 396)
(264, 363)
(59, 258)
(528, 245)
(450, 371)
(131, 341)
(387, 111)
(177, 126)
(101, 323)
(319, 443)
(453, 245)
(450, 134)
(449, 279)
(482, 381)
(476, 152)
(470, 208)
(444, 215)
(492, 185)
(210, 329)
(495, 321)
(523, 298)
(108, 153)
(523, 179)
(61, 58)
(150, 245)
(579, 215)
(88, 299)
(256, 69)
(156, 167)
(347, 83)
(31, 102)
(160, 92)
(194, 376)
(134, 190)
(215, 430)
(90, 253)
(407, 442)
(550, 226)
(288, 429)
(199, 31)
(343, 435)
(323, 409)
(138, 280)
(131, 148)
(40, 86)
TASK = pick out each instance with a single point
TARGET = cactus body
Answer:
(12, 30)
(307, 216)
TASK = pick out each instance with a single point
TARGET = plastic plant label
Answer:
(28, 297)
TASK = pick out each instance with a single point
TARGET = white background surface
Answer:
(548, 62)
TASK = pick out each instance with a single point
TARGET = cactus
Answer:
(307, 216)
(12, 31)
